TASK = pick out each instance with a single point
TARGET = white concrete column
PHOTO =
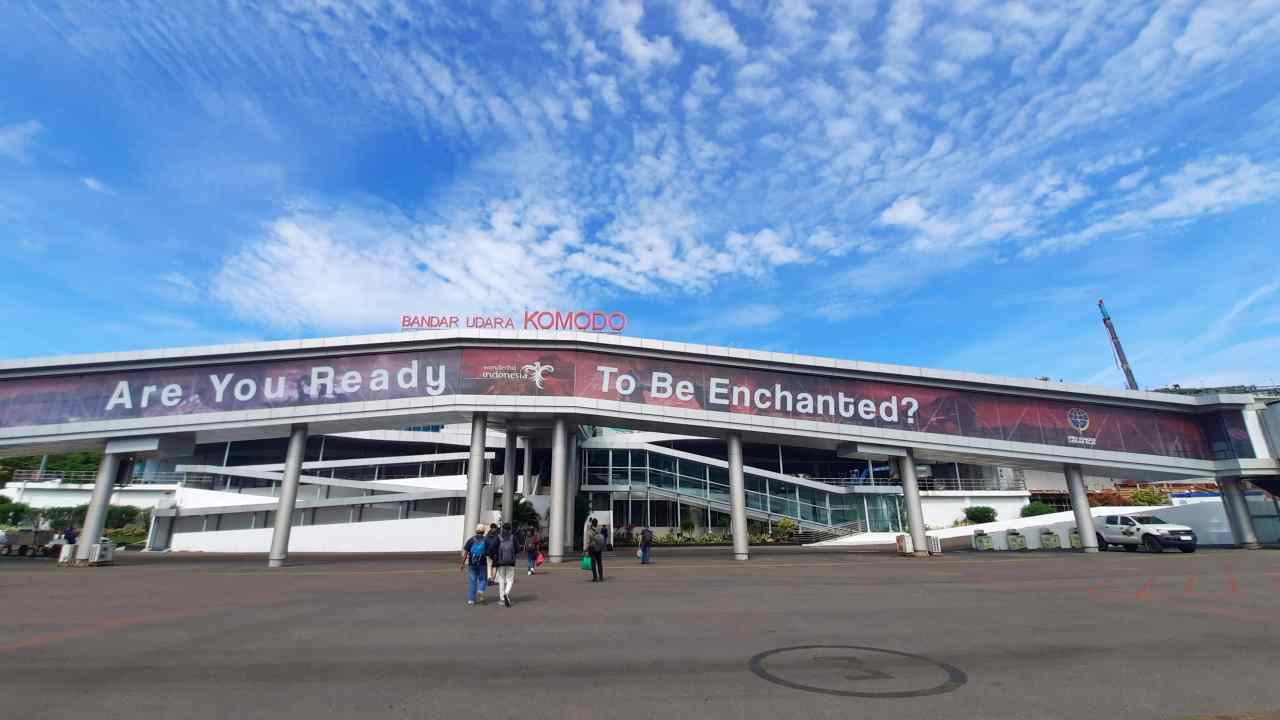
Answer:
(911, 497)
(288, 496)
(509, 476)
(555, 533)
(1237, 508)
(737, 498)
(96, 517)
(526, 471)
(1080, 506)
(572, 483)
(476, 471)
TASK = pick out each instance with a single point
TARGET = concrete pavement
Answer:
(825, 635)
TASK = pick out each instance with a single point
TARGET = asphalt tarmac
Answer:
(788, 634)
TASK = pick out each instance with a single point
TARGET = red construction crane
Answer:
(1121, 360)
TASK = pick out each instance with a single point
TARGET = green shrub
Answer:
(119, 516)
(1149, 496)
(786, 528)
(978, 514)
(61, 518)
(12, 513)
(687, 527)
(1037, 508)
(132, 535)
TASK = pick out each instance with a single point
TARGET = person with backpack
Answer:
(475, 553)
(595, 542)
(505, 563)
(646, 543)
(532, 548)
(491, 545)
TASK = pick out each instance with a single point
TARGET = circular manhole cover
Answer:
(857, 671)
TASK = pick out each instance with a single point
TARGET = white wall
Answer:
(1207, 519)
(943, 507)
(53, 494)
(187, 497)
(434, 534)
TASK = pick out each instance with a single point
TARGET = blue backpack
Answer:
(477, 551)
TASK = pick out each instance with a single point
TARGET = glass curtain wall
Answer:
(628, 474)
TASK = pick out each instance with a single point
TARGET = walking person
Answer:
(532, 546)
(595, 543)
(474, 555)
(505, 563)
(491, 550)
(646, 543)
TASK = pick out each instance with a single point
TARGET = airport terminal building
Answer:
(401, 442)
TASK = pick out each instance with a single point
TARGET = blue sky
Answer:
(940, 184)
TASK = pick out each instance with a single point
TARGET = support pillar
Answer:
(1080, 506)
(96, 517)
(475, 477)
(571, 486)
(911, 497)
(526, 470)
(1238, 513)
(288, 496)
(737, 498)
(509, 477)
(555, 534)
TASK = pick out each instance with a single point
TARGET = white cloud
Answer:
(967, 43)
(16, 139)
(700, 22)
(178, 286)
(97, 185)
(748, 316)
(1130, 181)
(623, 17)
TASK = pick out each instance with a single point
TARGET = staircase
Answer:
(824, 533)
(807, 527)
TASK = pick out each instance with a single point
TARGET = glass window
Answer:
(620, 459)
(693, 485)
(660, 512)
(666, 463)
(638, 513)
(1113, 520)
(1128, 522)
(883, 469)
(598, 458)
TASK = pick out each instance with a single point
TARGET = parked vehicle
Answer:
(28, 542)
(1146, 531)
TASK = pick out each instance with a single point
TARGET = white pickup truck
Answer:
(1146, 531)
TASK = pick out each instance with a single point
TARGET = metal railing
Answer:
(835, 531)
(972, 484)
(88, 477)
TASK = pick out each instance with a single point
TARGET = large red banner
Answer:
(587, 374)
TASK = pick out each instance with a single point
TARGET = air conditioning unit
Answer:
(935, 545)
(68, 555)
(101, 553)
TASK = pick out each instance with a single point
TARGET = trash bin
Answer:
(1049, 540)
(982, 541)
(1015, 540)
(1076, 542)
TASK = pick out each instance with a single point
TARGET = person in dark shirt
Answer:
(646, 543)
(475, 556)
(505, 562)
